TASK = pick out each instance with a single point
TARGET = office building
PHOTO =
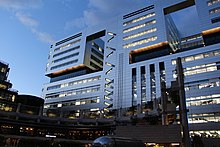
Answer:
(22, 121)
(7, 94)
(108, 70)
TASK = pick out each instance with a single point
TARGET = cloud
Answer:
(32, 24)
(78, 22)
(99, 11)
(43, 36)
(26, 19)
(19, 7)
(20, 4)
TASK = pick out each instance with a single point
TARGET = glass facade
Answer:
(73, 92)
(135, 59)
(140, 42)
(139, 26)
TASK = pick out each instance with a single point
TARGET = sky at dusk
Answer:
(29, 27)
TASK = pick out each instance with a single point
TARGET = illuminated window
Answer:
(215, 10)
(198, 56)
(202, 84)
(82, 101)
(204, 97)
(173, 62)
(106, 103)
(139, 26)
(64, 85)
(62, 95)
(74, 83)
(107, 80)
(97, 47)
(94, 109)
(139, 42)
(73, 92)
(107, 97)
(66, 51)
(109, 64)
(206, 133)
(139, 34)
(59, 105)
(77, 103)
(200, 69)
(67, 45)
(190, 58)
(139, 19)
(107, 91)
(3, 69)
(191, 38)
(211, 2)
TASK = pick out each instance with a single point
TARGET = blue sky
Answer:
(28, 27)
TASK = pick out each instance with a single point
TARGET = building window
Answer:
(97, 53)
(201, 69)
(138, 11)
(66, 57)
(78, 91)
(139, 19)
(97, 47)
(204, 118)
(143, 85)
(82, 101)
(192, 45)
(206, 133)
(96, 60)
(66, 51)
(64, 64)
(53, 87)
(202, 84)
(215, 10)
(139, 34)
(139, 26)
(94, 65)
(162, 72)
(152, 82)
(67, 45)
(68, 39)
(191, 38)
(139, 42)
(3, 70)
(198, 56)
(212, 2)
(203, 100)
(215, 20)
(134, 87)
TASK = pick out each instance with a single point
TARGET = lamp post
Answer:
(183, 109)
